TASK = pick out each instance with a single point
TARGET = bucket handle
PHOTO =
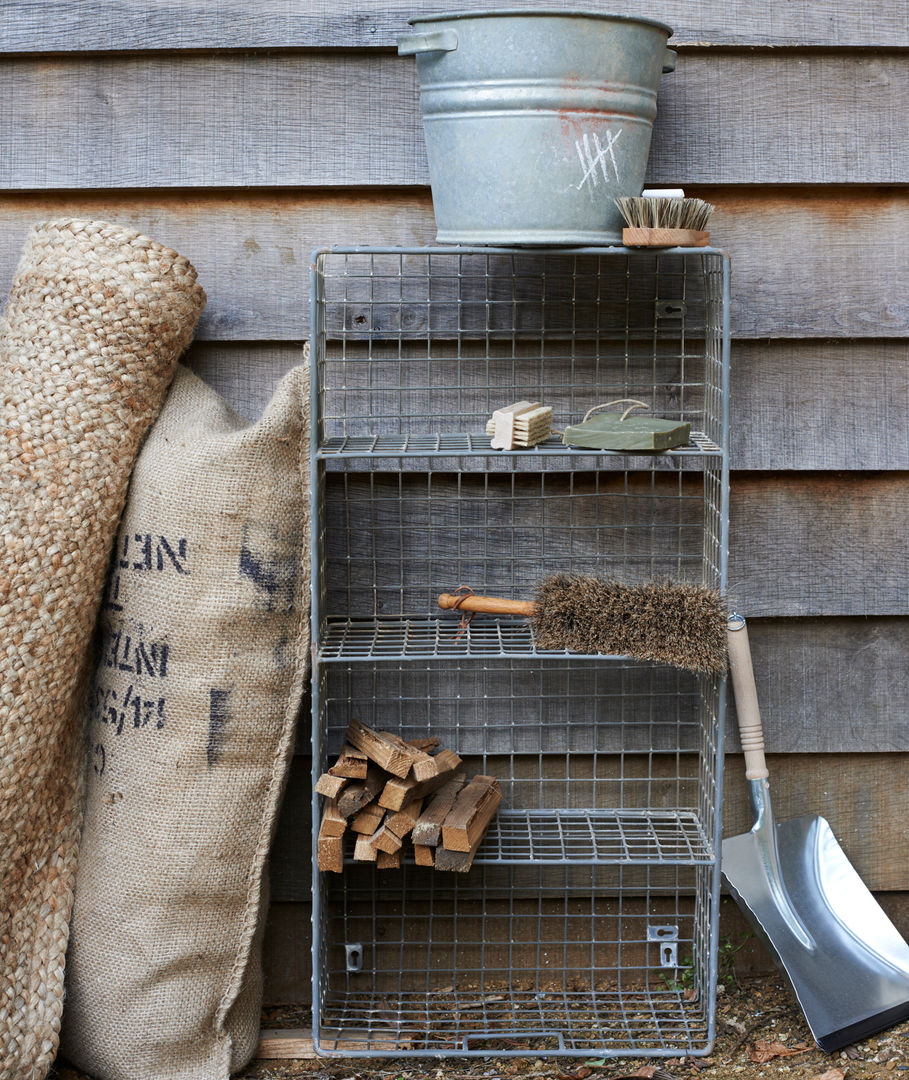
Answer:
(436, 41)
(669, 61)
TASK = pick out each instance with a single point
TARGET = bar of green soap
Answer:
(609, 431)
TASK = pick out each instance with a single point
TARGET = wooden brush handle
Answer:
(488, 605)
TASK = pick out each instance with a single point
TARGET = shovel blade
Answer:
(854, 979)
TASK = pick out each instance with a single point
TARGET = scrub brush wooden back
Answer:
(665, 222)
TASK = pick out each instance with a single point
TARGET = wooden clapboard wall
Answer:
(247, 135)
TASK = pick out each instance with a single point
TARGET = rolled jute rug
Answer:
(97, 317)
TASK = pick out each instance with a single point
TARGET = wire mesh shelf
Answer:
(392, 541)
(417, 343)
(597, 762)
(545, 960)
(583, 837)
(587, 923)
(646, 1023)
(424, 639)
(638, 836)
(457, 444)
(420, 639)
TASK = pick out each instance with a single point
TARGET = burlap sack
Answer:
(203, 655)
(95, 322)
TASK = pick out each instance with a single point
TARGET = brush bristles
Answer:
(641, 213)
(672, 623)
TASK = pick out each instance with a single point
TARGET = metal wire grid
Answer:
(597, 763)
(415, 348)
(628, 823)
(603, 852)
(449, 444)
(393, 541)
(558, 960)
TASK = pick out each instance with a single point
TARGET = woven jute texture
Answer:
(203, 657)
(96, 320)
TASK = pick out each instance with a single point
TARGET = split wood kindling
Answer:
(385, 790)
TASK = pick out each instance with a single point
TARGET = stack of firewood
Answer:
(385, 790)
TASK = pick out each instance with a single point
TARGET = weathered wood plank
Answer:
(819, 405)
(863, 796)
(345, 118)
(805, 85)
(287, 953)
(800, 543)
(795, 405)
(244, 373)
(806, 263)
(819, 544)
(429, 826)
(359, 793)
(156, 25)
(288, 936)
(283, 1044)
(830, 685)
(780, 241)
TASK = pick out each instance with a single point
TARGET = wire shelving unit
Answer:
(588, 921)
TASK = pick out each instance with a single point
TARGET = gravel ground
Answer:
(761, 1033)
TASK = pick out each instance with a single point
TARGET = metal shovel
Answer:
(845, 961)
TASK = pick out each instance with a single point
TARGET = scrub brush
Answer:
(665, 218)
(674, 623)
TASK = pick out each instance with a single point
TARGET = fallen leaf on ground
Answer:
(763, 1051)
(699, 1064)
(581, 1074)
(648, 1072)
(830, 1074)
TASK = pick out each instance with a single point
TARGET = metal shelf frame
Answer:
(462, 444)
(592, 837)
(603, 858)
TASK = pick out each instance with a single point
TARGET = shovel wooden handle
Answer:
(487, 605)
(746, 702)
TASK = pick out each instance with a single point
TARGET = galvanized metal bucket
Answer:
(536, 120)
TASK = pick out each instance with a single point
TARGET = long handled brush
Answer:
(670, 622)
